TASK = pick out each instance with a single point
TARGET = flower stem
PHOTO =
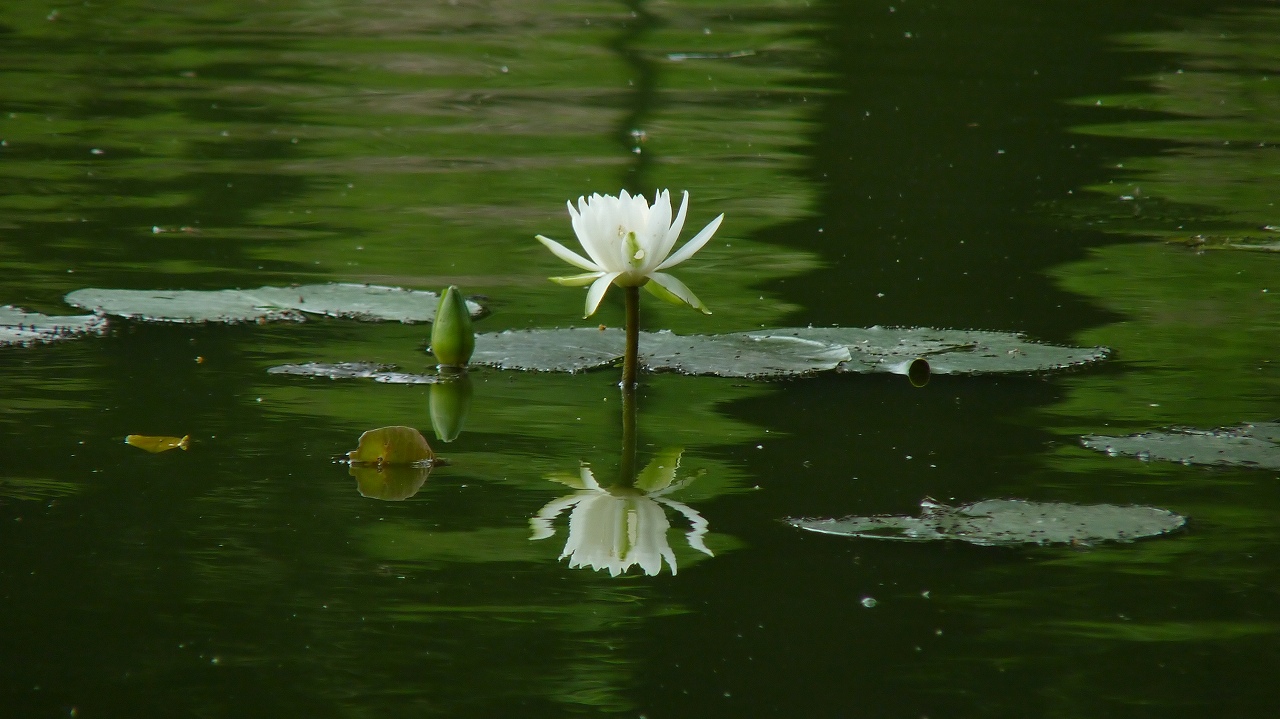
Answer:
(631, 359)
(627, 467)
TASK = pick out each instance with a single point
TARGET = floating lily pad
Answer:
(734, 355)
(783, 352)
(20, 327)
(1249, 445)
(392, 446)
(889, 349)
(156, 445)
(1004, 522)
(354, 370)
(266, 304)
(739, 355)
(558, 350)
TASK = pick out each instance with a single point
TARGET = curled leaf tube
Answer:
(918, 372)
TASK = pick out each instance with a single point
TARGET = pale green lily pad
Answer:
(354, 370)
(1008, 522)
(782, 352)
(1249, 445)
(266, 304)
(732, 355)
(558, 350)
(20, 327)
(890, 349)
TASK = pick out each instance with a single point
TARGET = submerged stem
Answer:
(631, 359)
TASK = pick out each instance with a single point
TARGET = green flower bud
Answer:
(452, 339)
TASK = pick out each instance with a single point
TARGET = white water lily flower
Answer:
(628, 243)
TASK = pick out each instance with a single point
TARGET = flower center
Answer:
(635, 252)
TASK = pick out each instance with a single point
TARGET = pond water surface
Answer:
(1090, 173)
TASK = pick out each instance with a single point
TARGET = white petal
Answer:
(669, 286)
(596, 293)
(576, 280)
(673, 233)
(693, 245)
(582, 227)
(569, 255)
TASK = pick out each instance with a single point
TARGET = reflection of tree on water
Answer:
(624, 524)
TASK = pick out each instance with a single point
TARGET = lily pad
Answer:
(1249, 445)
(266, 304)
(557, 350)
(20, 327)
(155, 445)
(739, 355)
(892, 349)
(392, 446)
(354, 370)
(1008, 522)
(783, 352)
(733, 355)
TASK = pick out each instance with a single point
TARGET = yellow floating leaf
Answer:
(158, 444)
(392, 445)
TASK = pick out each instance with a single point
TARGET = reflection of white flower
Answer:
(615, 528)
(627, 242)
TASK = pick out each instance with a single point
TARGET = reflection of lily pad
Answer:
(354, 370)
(782, 352)
(388, 482)
(19, 327)
(1250, 445)
(888, 349)
(1008, 522)
(362, 302)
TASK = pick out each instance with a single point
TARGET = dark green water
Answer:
(978, 165)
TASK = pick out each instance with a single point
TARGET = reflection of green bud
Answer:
(450, 401)
(452, 339)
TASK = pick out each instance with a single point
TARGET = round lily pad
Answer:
(999, 522)
(354, 370)
(266, 304)
(20, 327)
(890, 349)
(1249, 445)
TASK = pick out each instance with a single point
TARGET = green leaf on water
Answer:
(892, 349)
(354, 370)
(557, 350)
(392, 446)
(20, 327)
(784, 352)
(1249, 445)
(1000, 522)
(266, 304)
